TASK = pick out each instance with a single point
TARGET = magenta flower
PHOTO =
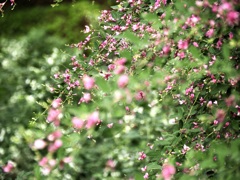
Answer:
(166, 50)
(56, 103)
(88, 82)
(54, 116)
(145, 176)
(167, 171)
(182, 44)
(43, 161)
(85, 99)
(55, 146)
(77, 123)
(92, 120)
(122, 81)
(55, 135)
(8, 168)
(181, 55)
(233, 18)
(140, 95)
(142, 156)
(195, 44)
(209, 33)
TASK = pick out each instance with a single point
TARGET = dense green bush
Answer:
(152, 93)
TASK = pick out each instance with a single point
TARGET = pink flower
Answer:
(140, 95)
(120, 69)
(233, 18)
(86, 98)
(87, 29)
(54, 135)
(92, 120)
(122, 81)
(143, 169)
(39, 144)
(145, 176)
(67, 159)
(77, 123)
(111, 67)
(230, 35)
(182, 44)
(209, 33)
(142, 156)
(110, 164)
(56, 103)
(167, 171)
(166, 50)
(195, 44)
(43, 161)
(181, 55)
(121, 61)
(88, 82)
(55, 146)
(110, 125)
(220, 115)
(8, 168)
(54, 116)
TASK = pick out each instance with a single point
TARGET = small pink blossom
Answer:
(110, 164)
(123, 81)
(143, 169)
(185, 149)
(8, 168)
(209, 33)
(55, 135)
(54, 116)
(140, 95)
(55, 146)
(121, 61)
(110, 125)
(142, 156)
(67, 159)
(43, 161)
(39, 144)
(88, 82)
(182, 44)
(215, 122)
(233, 18)
(230, 35)
(119, 69)
(145, 176)
(111, 67)
(85, 99)
(92, 120)
(181, 55)
(166, 50)
(167, 171)
(87, 29)
(56, 103)
(195, 44)
(77, 123)
(220, 115)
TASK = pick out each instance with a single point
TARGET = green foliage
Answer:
(154, 88)
(65, 21)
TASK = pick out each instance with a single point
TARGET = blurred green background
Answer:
(32, 48)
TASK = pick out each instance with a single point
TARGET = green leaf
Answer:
(138, 176)
(226, 51)
(103, 84)
(153, 165)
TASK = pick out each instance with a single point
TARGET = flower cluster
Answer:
(167, 69)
